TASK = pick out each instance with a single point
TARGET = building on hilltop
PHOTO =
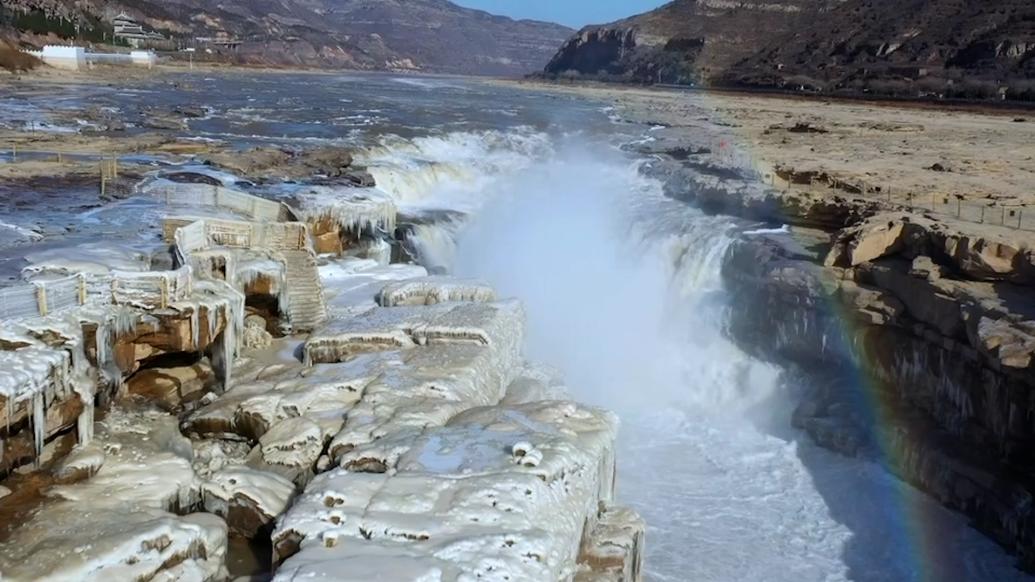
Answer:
(133, 33)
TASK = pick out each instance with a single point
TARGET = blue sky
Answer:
(574, 13)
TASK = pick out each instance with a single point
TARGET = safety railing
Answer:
(1016, 216)
(150, 290)
(254, 207)
(207, 233)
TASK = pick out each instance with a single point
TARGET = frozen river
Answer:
(624, 297)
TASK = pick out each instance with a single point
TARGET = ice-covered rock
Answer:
(352, 285)
(83, 462)
(255, 335)
(456, 505)
(613, 550)
(172, 387)
(45, 386)
(290, 449)
(353, 210)
(406, 327)
(534, 383)
(122, 523)
(467, 356)
(432, 290)
(248, 499)
(322, 393)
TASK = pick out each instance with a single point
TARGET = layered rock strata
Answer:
(913, 332)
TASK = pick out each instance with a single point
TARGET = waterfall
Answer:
(623, 292)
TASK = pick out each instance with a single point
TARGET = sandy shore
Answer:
(919, 151)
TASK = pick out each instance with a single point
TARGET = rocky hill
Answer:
(686, 41)
(909, 48)
(921, 48)
(426, 35)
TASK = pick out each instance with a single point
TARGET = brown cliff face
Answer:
(913, 48)
(686, 41)
(931, 318)
(916, 48)
(426, 35)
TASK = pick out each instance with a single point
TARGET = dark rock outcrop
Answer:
(914, 336)
(931, 376)
(686, 41)
(914, 49)
(917, 48)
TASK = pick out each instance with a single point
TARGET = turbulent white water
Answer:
(624, 296)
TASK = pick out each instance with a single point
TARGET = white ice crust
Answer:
(409, 441)
(121, 523)
(457, 507)
(354, 210)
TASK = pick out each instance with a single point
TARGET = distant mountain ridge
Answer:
(425, 35)
(686, 41)
(908, 48)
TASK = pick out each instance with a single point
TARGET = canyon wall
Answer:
(915, 49)
(912, 332)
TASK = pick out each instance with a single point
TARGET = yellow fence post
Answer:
(82, 290)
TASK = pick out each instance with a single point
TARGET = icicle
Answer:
(84, 424)
(39, 421)
(228, 355)
(195, 326)
(213, 312)
(101, 339)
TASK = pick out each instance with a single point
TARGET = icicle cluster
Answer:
(355, 210)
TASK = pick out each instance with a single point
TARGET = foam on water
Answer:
(455, 169)
(624, 295)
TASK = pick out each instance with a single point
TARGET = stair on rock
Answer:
(305, 305)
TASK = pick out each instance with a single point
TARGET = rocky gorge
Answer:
(912, 330)
(263, 369)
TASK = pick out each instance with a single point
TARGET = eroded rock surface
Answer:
(129, 520)
(461, 502)
(405, 427)
(865, 301)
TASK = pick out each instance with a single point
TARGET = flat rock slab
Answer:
(434, 290)
(122, 523)
(406, 327)
(498, 492)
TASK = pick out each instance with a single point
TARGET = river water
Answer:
(624, 296)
